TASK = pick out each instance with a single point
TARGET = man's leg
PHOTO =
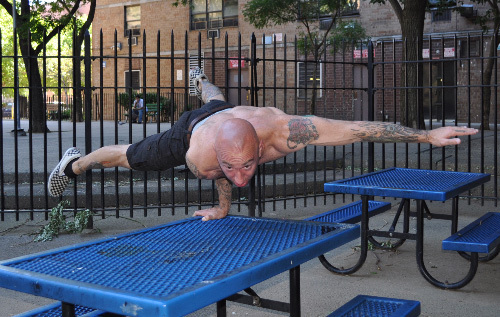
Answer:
(105, 157)
(205, 89)
(73, 164)
(141, 112)
(210, 92)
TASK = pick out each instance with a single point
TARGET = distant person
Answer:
(138, 109)
(226, 143)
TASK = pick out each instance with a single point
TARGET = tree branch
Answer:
(60, 27)
(397, 9)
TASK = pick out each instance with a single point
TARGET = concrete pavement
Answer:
(389, 274)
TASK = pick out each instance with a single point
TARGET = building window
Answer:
(469, 49)
(132, 21)
(213, 14)
(135, 81)
(441, 15)
(306, 79)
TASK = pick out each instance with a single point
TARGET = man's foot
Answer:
(196, 75)
(57, 180)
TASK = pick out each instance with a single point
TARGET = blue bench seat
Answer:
(364, 305)
(351, 213)
(55, 310)
(480, 236)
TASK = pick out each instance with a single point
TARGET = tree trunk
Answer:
(488, 71)
(37, 112)
(412, 27)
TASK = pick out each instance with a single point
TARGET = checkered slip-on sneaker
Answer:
(195, 75)
(57, 180)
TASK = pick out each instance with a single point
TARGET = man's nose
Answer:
(239, 178)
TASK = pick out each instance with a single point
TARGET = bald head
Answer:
(237, 148)
(236, 133)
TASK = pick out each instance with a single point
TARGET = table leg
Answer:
(295, 291)
(364, 243)
(68, 310)
(221, 308)
(420, 257)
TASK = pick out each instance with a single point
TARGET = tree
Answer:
(313, 40)
(491, 18)
(37, 23)
(411, 15)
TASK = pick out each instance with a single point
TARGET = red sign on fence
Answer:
(233, 62)
(362, 53)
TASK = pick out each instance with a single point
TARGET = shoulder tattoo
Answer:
(387, 132)
(193, 168)
(302, 131)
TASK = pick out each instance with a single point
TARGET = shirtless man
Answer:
(226, 143)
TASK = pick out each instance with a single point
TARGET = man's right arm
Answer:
(224, 187)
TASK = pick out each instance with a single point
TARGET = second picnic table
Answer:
(405, 183)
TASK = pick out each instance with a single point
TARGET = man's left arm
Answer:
(335, 132)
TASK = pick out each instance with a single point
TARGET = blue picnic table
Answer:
(176, 268)
(405, 183)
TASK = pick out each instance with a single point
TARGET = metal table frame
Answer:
(225, 256)
(375, 184)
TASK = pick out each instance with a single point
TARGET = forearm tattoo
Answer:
(383, 132)
(193, 169)
(302, 131)
(208, 91)
(225, 190)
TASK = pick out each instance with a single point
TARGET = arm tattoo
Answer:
(193, 169)
(302, 131)
(225, 190)
(383, 132)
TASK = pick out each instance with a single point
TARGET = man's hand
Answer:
(448, 135)
(224, 188)
(212, 213)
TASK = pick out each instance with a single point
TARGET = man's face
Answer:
(239, 165)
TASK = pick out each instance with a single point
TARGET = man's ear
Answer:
(261, 148)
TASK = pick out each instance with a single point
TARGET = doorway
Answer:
(234, 79)
(440, 91)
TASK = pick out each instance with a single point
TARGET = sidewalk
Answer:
(388, 274)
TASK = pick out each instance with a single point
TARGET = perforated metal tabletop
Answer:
(173, 269)
(409, 183)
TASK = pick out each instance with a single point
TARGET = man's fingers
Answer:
(465, 131)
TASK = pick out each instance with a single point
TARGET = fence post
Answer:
(88, 125)
(371, 105)
(253, 99)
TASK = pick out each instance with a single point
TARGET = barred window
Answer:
(134, 81)
(441, 15)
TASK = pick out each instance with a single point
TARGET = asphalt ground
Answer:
(385, 273)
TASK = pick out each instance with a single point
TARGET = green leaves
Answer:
(58, 223)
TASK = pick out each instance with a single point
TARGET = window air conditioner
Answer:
(213, 34)
(133, 41)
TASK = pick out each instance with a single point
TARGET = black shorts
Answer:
(168, 149)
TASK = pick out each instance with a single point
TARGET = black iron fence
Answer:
(349, 82)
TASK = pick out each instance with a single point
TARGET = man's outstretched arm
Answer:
(224, 187)
(321, 131)
(384, 132)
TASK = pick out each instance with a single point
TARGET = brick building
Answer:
(174, 37)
